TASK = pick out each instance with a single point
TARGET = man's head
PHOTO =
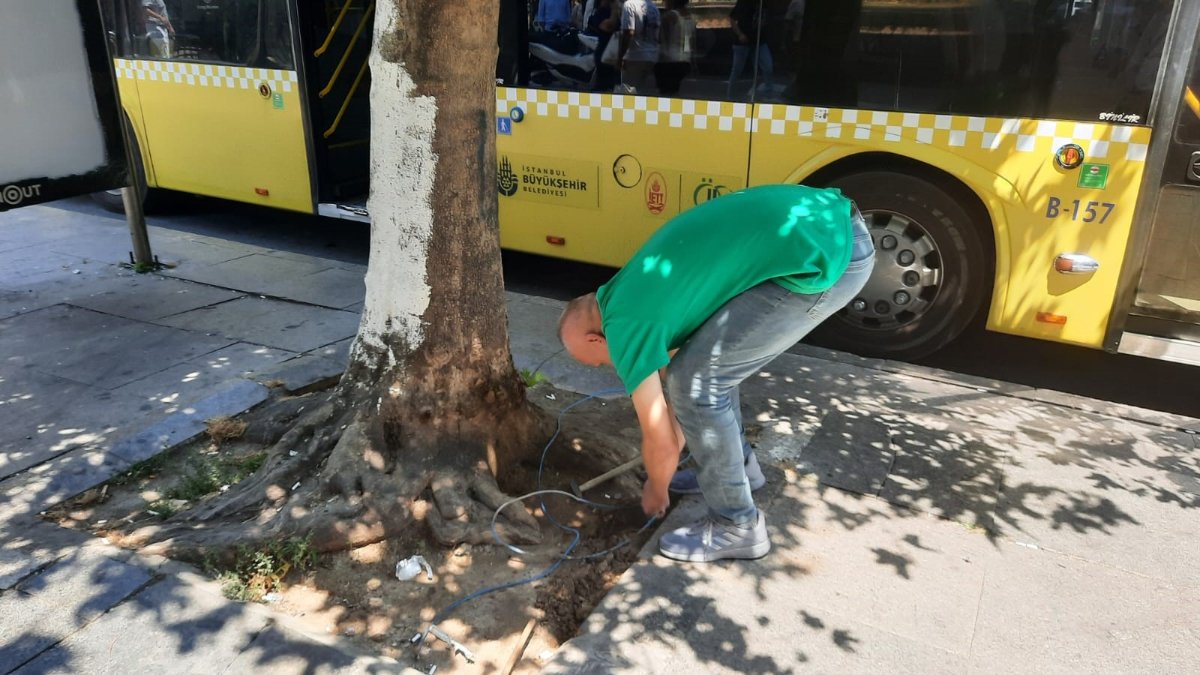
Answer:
(581, 332)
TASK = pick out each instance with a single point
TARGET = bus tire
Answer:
(931, 271)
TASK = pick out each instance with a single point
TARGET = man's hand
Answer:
(660, 444)
(655, 499)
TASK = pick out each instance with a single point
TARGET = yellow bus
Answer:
(1035, 163)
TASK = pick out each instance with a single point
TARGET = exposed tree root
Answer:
(343, 476)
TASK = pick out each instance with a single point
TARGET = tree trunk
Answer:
(431, 410)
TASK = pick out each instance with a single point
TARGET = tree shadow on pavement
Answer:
(888, 497)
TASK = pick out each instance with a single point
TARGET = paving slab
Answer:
(850, 450)
(170, 627)
(847, 588)
(14, 301)
(102, 244)
(914, 576)
(1057, 614)
(257, 273)
(298, 374)
(338, 351)
(77, 470)
(94, 348)
(146, 297)
(30, 296)
(333, 287)
(1102, 512)
(15, 565)
(42, 416)
(274, 323)
(946, 469)
(179, 386)
(34, 264)
(72, 592)
(53, 481)
(235, 397)
(182, 252)
(42, 223)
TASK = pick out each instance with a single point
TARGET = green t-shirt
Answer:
(796, 236)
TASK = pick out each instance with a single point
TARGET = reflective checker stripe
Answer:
(205, 75)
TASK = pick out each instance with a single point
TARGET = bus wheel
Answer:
(931, 274)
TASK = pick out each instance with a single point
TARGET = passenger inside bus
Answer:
(159, 31)
(677, 36)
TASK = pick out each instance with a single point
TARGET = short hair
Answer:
(574, 308)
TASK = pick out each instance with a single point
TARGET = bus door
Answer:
(211, 87)
(1165, 319)
(335, 39)
(590, 161)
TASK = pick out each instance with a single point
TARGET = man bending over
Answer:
(713, 296)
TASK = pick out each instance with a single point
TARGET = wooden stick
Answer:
(519, 649)
(631, 464)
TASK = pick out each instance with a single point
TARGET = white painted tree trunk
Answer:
(403, 169)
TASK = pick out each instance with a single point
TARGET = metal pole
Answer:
(132, 197)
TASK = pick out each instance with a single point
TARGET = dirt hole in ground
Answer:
(356, 594)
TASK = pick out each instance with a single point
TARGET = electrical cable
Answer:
(576, 535)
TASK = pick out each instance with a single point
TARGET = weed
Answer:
(206, 475)
(221, 429)
(258, 571)
(533, 377)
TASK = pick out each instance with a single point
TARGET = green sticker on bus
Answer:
(277, 100)
(1093, 176)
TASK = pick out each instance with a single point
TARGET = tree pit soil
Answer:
(356, 594)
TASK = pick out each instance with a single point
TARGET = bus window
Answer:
(1059, 59)
(208, 31)
(680, 49)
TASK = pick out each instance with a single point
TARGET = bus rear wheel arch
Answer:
(933, 269)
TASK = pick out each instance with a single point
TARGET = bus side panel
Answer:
(590, 177)
(1038, 209)
(224, 131)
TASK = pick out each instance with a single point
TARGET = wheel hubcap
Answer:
(907, 275)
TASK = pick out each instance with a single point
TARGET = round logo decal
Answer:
(1069, 156)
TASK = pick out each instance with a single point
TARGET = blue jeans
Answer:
(744, 335)
(763, 65)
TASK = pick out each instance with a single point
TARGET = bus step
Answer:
(350, 210)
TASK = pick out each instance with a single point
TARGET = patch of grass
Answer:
(258, 571)
(224, 428)
(533, 378)
(206, 475)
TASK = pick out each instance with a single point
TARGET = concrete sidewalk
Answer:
(921, 520)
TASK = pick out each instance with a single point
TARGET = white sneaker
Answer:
(708, 539)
